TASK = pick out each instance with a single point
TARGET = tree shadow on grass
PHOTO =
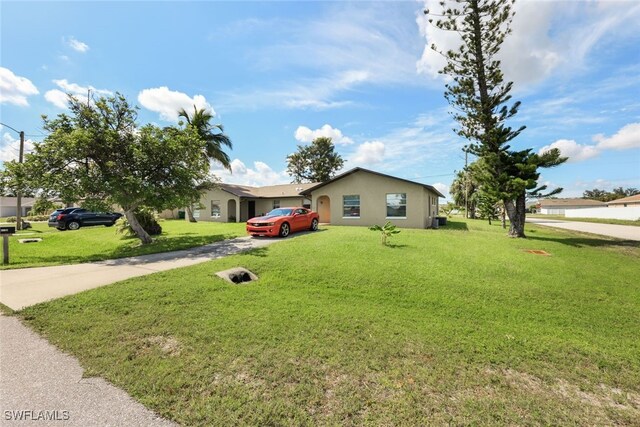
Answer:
(579, 242)
(455, 226)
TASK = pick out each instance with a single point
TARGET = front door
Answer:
(324, 209)
(252, 209)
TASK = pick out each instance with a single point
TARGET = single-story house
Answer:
(558, 206)
(231, 203)
(631, 201)
(9, 206)
(364, 197)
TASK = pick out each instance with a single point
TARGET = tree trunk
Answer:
(516, 214)
(137, 228)
(503, 216)
(190, 214)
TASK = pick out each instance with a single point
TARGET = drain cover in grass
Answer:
(33, 240)
(237, 275)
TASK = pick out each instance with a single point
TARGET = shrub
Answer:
(37, 218)
(11, 219)
(147, 220)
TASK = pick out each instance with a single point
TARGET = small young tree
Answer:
(317, 162)
(386, 231)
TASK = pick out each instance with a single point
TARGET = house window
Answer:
(397, 205)
(215, 209)
(276, 204)
(351, 206)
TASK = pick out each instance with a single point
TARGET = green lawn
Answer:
(452, 326)
(635, 223)
(100, 243)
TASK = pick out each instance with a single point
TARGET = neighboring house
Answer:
(364, 197)
(625, 202)
(558, 206)
(231, 203)
(8, 206)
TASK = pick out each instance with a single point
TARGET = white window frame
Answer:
(351, 206)
(386, 199)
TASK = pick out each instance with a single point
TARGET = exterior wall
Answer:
(220, 196)
(169, 214)
(8, 206)
(265, 205)
(372, 190)
(625, 205)
(632, 213)
(557, 210)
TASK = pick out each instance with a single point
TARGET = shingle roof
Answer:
(570, 202)
(354, 170)
(267, 192)
(629, 199)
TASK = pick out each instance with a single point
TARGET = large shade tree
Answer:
(482, 104)
(99, 152)
(215, 143)
(316, 162)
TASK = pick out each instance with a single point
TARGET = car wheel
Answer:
(73, 225)
(314, 224)
(284, 229)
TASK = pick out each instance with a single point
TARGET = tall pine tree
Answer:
(482, 103)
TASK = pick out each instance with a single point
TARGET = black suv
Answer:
(74, 218)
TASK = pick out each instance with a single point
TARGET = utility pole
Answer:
(19, 194)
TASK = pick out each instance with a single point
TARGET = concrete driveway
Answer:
(624, 232)
(28, 286)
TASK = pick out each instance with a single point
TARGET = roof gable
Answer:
(359, 169)
(630, 199)
(570, 202)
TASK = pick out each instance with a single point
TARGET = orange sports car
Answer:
(282, 221)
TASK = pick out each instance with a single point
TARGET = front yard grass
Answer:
(99, 243)
(454, 326)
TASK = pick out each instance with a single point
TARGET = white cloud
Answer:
(59, 97)
(168, 102)
(443, 188)
(627, 137)
(10, 146)
(368, 153)
(15, 89)
(304, 134)
(77, 45)
(547, 36)
(571, 149)
(261, 174)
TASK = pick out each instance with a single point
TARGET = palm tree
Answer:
(214, 137)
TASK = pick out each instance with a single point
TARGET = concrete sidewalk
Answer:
(28, 286)
(41, 386)
(624, 232)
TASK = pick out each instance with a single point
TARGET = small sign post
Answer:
(6, 232)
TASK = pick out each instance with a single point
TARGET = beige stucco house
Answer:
(558, 206)
(364, 197)
(231, 203)
(625, 202)
(9, 206)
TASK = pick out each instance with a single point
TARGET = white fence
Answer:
(632, 213)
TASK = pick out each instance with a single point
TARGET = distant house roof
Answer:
(630, 199)
(268, 192)
(558, 203)
(354, 170)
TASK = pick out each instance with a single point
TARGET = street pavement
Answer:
(624, 232)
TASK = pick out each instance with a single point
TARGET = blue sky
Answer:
(279, 73)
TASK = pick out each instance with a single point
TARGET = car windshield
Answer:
(280, 212)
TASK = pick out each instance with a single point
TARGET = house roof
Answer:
(354, 170)
(630, 199)
(570, 202)
(268, 192)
